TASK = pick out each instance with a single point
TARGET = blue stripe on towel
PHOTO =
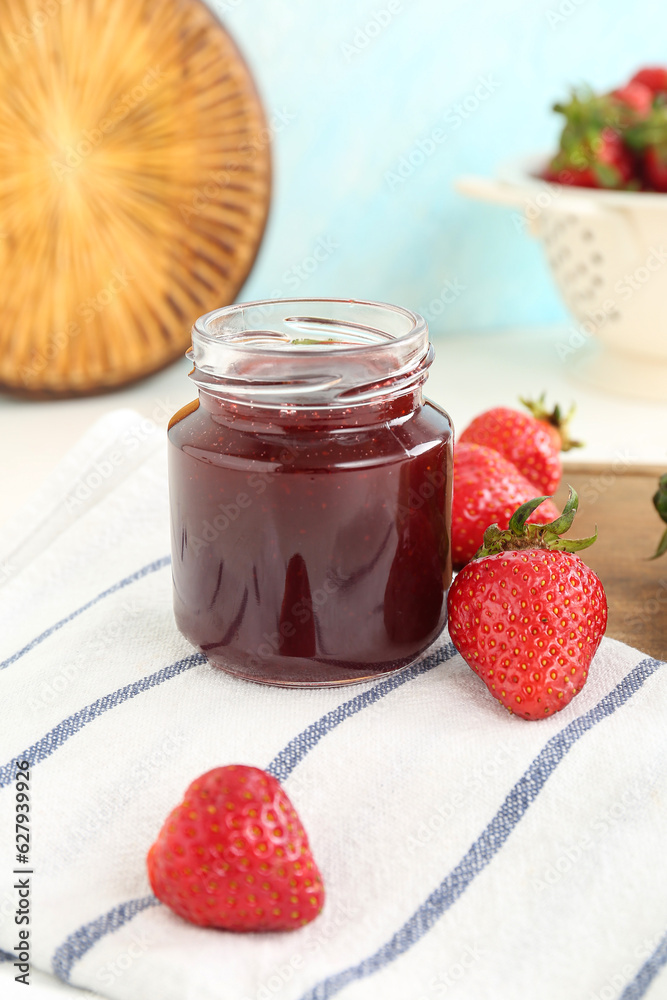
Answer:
(77, 944)
(282, 766)
(68, 727)
(491, 840)
(140, 573)
(649, 970)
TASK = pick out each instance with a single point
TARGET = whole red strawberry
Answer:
(234, 855)
(530, 441)
(527, 615)
(487, 488)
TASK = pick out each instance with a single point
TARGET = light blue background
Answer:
(359, 109)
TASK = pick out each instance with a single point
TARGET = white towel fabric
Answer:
(466, 853)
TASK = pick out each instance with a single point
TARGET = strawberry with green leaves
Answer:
(592, 151)
(615, 140)
(530, 441)
(527, 614)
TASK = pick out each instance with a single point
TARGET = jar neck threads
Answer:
(310, 355)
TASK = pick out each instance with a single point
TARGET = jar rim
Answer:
(327, 351)
(202, 325)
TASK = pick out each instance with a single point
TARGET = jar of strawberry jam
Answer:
(310, 490)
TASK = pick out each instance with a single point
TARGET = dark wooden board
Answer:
(619, 501)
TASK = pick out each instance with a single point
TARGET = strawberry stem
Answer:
(520, 535)
(555, 418)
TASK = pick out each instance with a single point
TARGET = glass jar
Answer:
(310, 490)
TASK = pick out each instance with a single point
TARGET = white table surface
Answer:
(471, 372)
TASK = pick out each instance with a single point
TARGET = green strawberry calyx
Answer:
(587, 117)
(519, 535)
(660, 504)
(556, 418)
(650, 132)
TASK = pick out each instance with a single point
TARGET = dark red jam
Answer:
(311, 546)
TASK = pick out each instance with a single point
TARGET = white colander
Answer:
(608, 254)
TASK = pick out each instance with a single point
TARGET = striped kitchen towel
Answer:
(466, 853)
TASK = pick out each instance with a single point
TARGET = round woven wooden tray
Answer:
(134, 186)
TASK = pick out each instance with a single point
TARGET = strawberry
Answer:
(592, 151)
(653, 77)
(487, 488)
(234, 855)
(660, 504)
(531, 442)
(527, 615)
